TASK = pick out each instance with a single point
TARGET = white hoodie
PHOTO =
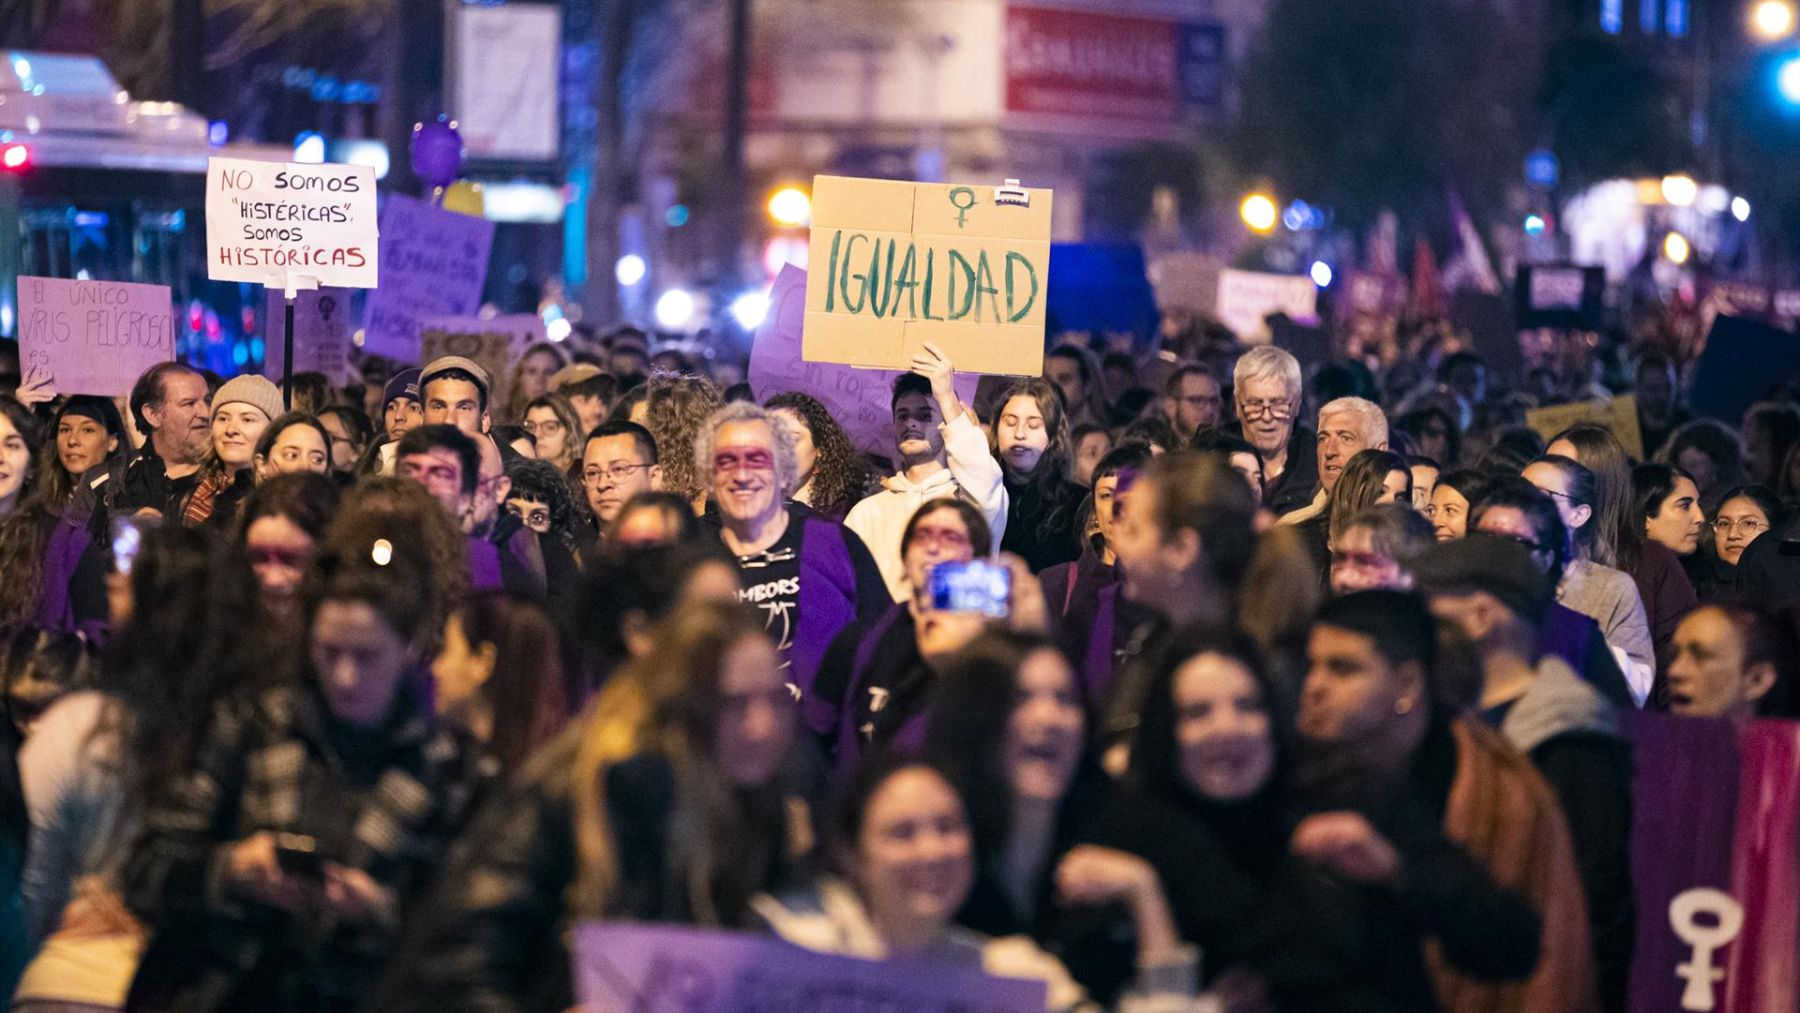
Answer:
(973, 475)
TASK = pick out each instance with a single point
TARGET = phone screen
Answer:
(976, 586)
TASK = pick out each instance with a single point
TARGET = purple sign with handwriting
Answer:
(321, 333)
(645, 968)
(93, 337)
(860, 399)
(433, 264)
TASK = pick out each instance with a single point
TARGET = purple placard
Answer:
(321, 333)
(93, 337)
(860, 399)
(433, 264)
(627, 967)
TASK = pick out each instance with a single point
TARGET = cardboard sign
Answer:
(895, 265)
(494, 345)
(1247, 297)
(321, 333)
(93, 337)
(1618, 415)
(434, 264)
(1744, 362)
(287, 225)
(1715, 828)
(622, 966)
(860, 399)
(1560, 296)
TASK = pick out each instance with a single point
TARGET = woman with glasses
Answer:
(552, 422)
(1662, 587)
(1743, 515)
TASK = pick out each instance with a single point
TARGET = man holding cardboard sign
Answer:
(895, 265)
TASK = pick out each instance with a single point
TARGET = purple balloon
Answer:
(437, 153)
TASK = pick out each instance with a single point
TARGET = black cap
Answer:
(1500, 566)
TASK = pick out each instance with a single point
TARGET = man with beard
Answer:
(172, 407)
(943, 452)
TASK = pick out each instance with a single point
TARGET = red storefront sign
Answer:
(1092, 66)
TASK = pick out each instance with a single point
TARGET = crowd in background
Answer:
(1307, 690)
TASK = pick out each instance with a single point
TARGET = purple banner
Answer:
(433, 264)
(624, 968)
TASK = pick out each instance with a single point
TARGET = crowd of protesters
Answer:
(1306, 690)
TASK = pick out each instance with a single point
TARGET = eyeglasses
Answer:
(547, 426)
(616, 472)
(1743, 525)
(939, 538)
(1565, 497)
(1273, 409)
(537, 517)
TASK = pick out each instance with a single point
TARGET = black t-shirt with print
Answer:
(772, 584)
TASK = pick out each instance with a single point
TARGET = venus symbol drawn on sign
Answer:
(1699, 972)
(962, 210)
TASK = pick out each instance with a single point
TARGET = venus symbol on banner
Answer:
(1727, 920)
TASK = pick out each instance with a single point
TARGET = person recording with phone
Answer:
(877, 677)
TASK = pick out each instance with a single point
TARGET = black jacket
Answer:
(1768, 573)
(1300, 482)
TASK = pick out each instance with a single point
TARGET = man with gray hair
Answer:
(1266, 389)
(1347, 426)
(809, 575)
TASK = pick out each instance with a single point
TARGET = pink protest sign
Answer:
(321, 333)
(93, 337)
(860, 399)
(622, 967)
(433, 264)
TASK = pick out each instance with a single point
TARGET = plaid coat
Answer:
(270, 764)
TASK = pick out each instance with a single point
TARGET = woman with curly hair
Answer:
(677, 405)
(833, 476)
(1031, 436)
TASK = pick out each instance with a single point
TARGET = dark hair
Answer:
(1539, 510)
(1187, 369)
(1583, 491)
(849, 807)
(1155, 765)
(1764, 498)
(357, 424)
(454, 374)
(417, 530)
(546, 483)
(150, 389)
(1123, 456)
(1766, 641)
(840, 476)
(1465, 482)
(283, 423)
(1396, 531)
(604, 386)
(1206, 495)
(1651, 484)
(1224, 443)
(1399, 622)
(669, 503)
(1085, 430)
(644, 580)
(526, 690)
(312, 392)
(646, 444)
(27, 424)
(909, 383)
(1413, 424)
(1129, 406)
(635, 394)
(981, 537)
(58, 662)
(1717, 441)
(971, 706)
(425, 439)
(307, 499)
(391, 588)
(1151, 429)
(1513, 448)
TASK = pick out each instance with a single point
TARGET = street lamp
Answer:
(1772, 20)
(1259, 213)
(1676, 248)
(1681, 191)
(790, 206)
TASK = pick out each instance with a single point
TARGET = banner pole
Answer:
(287, 348)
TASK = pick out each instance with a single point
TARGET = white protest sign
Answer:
(287, 225)
(434, 263)
(93, 337)
(1246, 297)
(321, 333)
(494, 344)
(622, 966)
(860, 399)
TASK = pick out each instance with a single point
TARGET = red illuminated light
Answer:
(15, 157)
